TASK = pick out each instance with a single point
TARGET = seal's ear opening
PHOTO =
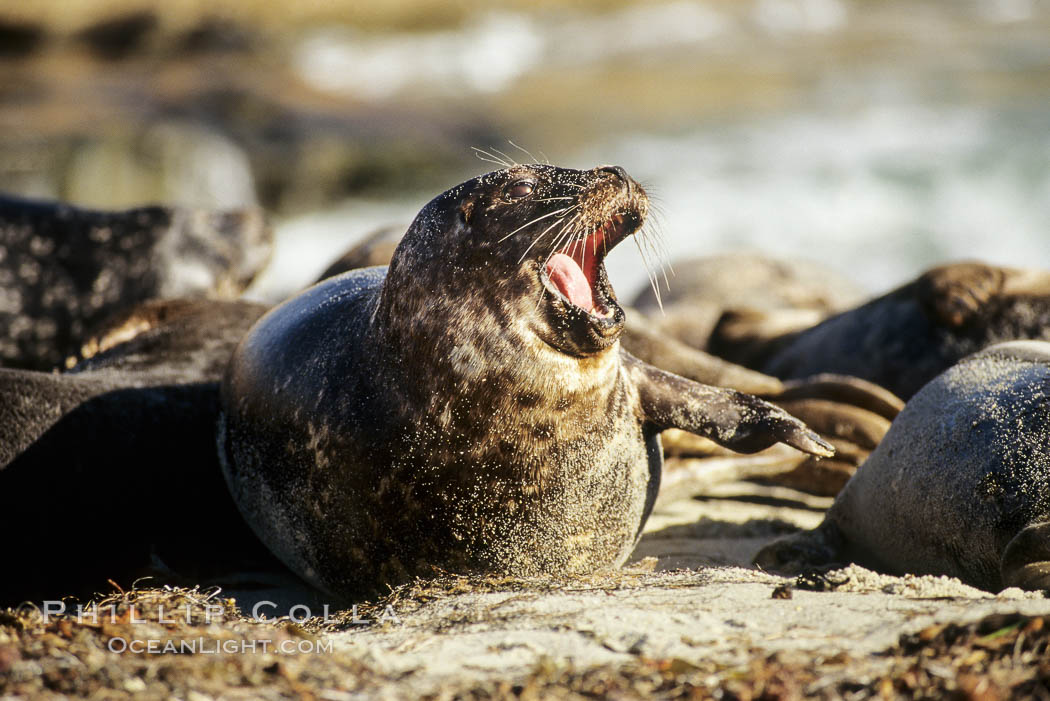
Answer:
(466, 211)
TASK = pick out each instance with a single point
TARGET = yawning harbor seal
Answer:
(468, 408)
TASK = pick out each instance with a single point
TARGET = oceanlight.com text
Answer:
(210, 646)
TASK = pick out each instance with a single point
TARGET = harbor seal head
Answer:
(529, 244)
(468, 408)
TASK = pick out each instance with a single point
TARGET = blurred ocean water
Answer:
(881, 195)
(877, 137)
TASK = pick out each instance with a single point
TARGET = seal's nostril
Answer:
(619, 172)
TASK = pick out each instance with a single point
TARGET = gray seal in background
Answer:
(960, 485)
(787, 294)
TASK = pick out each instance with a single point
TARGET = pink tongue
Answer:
(568, 277)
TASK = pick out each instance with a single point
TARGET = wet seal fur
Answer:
(960, 485)
(468, 408)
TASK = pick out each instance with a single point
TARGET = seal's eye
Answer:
(522, 188)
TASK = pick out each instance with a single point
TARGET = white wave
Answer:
(494, 49)
(795, 16)
(484, 56)
(882, 195)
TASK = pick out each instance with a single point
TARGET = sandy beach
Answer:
(685, 619)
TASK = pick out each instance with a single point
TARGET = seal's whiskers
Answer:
(659, 250)
(512, 161)
(568, 232)
(530, 223)
(484, 155)
(654, 228)
(649, 273)
(525, 151)
(565, 234)
(556, 222)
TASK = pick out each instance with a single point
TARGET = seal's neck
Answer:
(468, 357)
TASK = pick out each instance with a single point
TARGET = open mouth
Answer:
(575, 272)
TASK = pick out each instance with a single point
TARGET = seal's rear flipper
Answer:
(732, 419)
(798, 552)
(842, 389)
(850, 413)
(1026, 560)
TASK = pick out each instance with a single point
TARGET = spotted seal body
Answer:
(960, 485)
(64, 269)
(468, 408)
(849, 412)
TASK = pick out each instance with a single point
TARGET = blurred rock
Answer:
(218, 35)
(20, 39)
(119, 37)
(175, 162)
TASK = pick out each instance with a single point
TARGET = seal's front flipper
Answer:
(735, 420)
(1026, 560)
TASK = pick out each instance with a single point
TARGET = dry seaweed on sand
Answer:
(93, 656)
(997, 657)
